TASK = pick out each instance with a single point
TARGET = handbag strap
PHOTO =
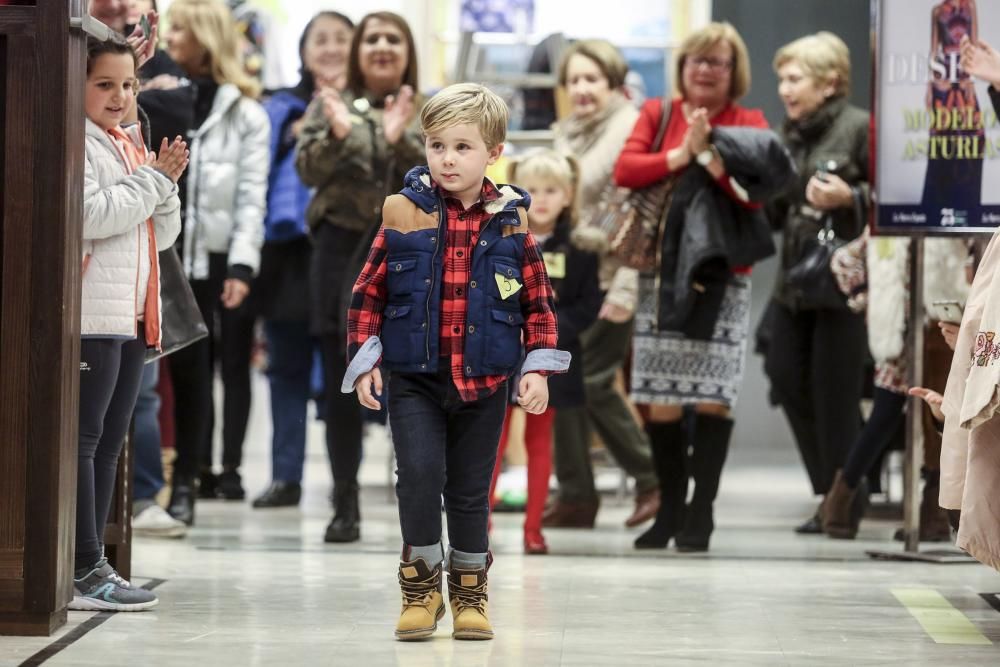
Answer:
(827, 234)
(661, 132)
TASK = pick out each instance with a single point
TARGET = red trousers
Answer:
(538, 443)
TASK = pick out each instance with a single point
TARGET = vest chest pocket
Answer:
(503, 343)
(401, 276)
(506, 282)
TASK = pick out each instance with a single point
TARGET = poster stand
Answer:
(914, 452)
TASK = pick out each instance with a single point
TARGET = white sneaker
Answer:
(155, 522)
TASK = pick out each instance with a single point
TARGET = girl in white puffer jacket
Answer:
(130, 211)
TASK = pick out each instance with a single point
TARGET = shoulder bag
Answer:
(632, 219)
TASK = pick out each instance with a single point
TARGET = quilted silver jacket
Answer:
(227, 184)
(116, 205)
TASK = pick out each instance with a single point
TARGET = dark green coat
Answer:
(353, 177)
(835, 134)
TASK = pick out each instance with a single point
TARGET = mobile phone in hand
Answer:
(949, 312)
(824, 168)
(144, 25)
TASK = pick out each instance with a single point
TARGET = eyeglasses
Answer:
(714, 64)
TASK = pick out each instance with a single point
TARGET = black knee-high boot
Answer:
(711, 444)
(669, 446)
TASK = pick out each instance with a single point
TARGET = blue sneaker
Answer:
(103, 589)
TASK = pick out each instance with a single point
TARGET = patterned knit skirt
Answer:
(670, 369)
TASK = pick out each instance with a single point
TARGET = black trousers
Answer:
(338, 255)
(816, 365)
(192, 371)
(110, 375)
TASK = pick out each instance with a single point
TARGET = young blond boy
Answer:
(452, 283)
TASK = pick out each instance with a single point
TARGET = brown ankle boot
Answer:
(570, 515)
(646, 506)
(934, 525)
(840, 518)
(467, 594)
(423, 604)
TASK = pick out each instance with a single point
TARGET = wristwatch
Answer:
(705, 157)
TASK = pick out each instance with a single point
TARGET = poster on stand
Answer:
(937, 142)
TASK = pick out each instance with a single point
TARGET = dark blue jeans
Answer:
(443, 445)
(148, 468)
(289, 373)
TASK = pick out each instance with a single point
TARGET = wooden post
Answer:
(42, 69)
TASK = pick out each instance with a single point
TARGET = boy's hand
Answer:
(367, 382)
(533, 393)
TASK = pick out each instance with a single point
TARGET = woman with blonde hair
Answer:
(693, 315)
(593, 73)
(223, 231)
(816, 352)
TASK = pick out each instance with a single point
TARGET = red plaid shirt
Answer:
(461, 235)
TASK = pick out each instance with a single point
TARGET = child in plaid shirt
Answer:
(453, 283)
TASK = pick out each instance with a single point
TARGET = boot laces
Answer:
(418, 593)
(469, 597)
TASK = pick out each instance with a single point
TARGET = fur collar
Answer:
(420, 190)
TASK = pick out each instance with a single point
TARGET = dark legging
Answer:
(343, 414)
(885, 421)
(192, 372)
(337, 258)
(110, 374)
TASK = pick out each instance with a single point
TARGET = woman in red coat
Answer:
(671, 371)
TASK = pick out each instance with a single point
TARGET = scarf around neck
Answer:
(582, 133)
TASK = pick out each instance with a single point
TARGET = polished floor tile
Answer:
(259, 587)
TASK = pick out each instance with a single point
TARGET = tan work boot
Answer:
(467, 594)
(423, 604)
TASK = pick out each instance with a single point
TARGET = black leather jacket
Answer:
(707, 233)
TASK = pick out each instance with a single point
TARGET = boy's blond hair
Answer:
(467, 103)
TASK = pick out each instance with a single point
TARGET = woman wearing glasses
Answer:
(699, 373)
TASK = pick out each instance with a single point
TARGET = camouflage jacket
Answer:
(353, 176)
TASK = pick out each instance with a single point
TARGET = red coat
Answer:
(637, 167)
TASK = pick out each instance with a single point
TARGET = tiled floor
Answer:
(251, 587)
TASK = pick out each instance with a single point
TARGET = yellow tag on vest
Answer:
(508, 286)
(555, 264)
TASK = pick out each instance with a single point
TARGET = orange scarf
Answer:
(135, 157)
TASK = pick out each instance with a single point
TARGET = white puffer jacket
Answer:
(116, 205)
(227, 184)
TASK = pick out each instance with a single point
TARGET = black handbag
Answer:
(181, 322)
(811, 279)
